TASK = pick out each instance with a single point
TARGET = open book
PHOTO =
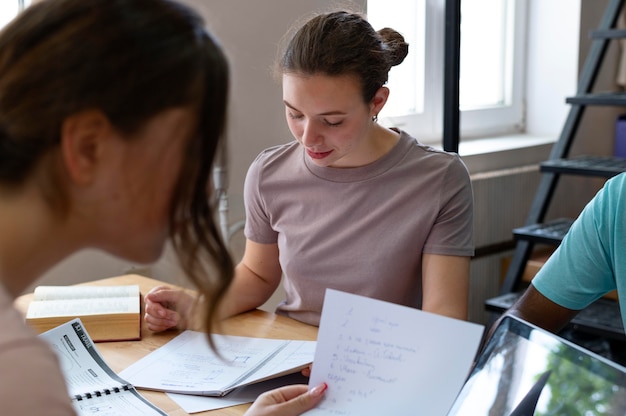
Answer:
(187, 364)
(109, 313)
(93, 386)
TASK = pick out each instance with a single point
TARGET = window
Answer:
(492, 72)
(10, 8)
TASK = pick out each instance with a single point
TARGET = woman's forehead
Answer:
(321, 93)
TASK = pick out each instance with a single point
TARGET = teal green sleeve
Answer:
(591, 259)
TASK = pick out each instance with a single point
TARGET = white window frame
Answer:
(475, 123)
(17, 6)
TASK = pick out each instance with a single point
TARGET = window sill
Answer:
(503, 152)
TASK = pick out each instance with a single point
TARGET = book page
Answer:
(187, 364)
(94, 387)
(386, 359)
(293, 357)
(82, 307)
(85, 292)
(53, 301)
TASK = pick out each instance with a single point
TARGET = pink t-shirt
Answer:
(360, 230)
(31, 382)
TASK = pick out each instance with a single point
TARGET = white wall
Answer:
(552, 63)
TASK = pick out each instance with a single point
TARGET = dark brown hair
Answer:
(131, 60)
(344, 43)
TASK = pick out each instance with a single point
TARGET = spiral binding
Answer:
(125, 387)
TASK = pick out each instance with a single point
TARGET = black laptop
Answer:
(526, 371)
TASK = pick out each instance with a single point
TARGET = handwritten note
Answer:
(381, 358)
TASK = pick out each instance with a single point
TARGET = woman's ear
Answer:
(379, 101)
(83, 139)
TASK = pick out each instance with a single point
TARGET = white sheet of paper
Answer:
(294, 355)
(379, 358)
(187, 364)
(241, 395)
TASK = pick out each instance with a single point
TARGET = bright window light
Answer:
(485, 54)
(10, 8)
(491, 78)
(406, 81)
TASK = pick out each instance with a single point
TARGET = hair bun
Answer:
(397, 49)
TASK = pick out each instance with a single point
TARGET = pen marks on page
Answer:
(367, 356)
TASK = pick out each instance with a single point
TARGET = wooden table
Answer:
(121, 354)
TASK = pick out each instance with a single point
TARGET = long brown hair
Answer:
(131, 60)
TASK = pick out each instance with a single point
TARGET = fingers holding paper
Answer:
(287, 401)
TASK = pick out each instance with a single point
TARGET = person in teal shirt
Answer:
(589, 263)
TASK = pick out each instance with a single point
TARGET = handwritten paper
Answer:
(188, 365)
(380, 358)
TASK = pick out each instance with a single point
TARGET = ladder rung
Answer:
(604, 166)
(608, 34)
(551, 232)
(606, 98)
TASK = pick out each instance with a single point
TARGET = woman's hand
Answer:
(287, 401)
(167, 308)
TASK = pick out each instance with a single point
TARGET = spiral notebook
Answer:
(93, 386)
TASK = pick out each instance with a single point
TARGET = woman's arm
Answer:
(445, 283)
(535, 308)
(256, 278)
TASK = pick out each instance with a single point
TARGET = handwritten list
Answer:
(381, 358)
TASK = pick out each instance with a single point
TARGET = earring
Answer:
(375, 118)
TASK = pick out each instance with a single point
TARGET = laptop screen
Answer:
(525, 370)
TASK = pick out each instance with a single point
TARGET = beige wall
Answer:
(250, 32)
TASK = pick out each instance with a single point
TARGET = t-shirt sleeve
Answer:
(453, 231)
(581, 269)
(258, 227)
(31, 380)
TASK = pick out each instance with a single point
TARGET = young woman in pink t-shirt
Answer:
(350, 204)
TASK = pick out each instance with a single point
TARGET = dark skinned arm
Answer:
(535, 308)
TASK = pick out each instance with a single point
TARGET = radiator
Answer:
(502, 200)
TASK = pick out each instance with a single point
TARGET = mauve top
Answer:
(360, 230)
(31, 382)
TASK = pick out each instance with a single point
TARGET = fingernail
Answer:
(318, 390)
